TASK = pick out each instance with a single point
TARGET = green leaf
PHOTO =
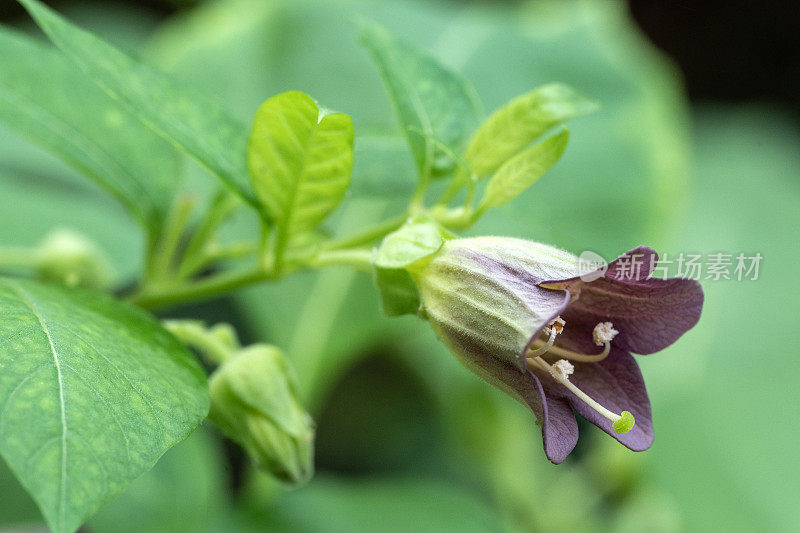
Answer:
(520, 122)
(45, 98)
(522, 171)
(92, 391)
(187, 491)
(300, 163)
(427, 98)
(415, 240)
(196, 125)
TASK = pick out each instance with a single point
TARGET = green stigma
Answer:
(625, 423)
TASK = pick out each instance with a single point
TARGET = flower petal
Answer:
(615, 383)
(559, 428)
(650, 314)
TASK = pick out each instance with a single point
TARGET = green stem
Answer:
(222, 206)
(453, 188)
(156, 295)
(164, 294)
(207, 341)
(418, 198)
(367, 236)
(231, 251)
(164, 253)
(360, 259)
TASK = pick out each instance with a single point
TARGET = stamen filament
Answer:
(621, 423)
(546, 347)
(569, 354)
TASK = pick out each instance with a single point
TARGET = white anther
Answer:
(563, 367)
(604, 332)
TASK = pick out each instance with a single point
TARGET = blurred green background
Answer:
(407, 439)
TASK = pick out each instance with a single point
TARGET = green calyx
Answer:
(419, 238)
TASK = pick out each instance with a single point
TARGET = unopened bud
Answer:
(69, 258)
(254, 401)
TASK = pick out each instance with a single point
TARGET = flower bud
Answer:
(254, 401)
(483, 295)
(69, 258)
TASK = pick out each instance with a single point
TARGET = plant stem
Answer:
(207, 341)
(367, 236)
(231, 251)
(169, 293)
(164, 252)
(360, 259)
(418, 199)
(221, 206)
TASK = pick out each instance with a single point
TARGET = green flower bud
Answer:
(254, 401)
(69, 258)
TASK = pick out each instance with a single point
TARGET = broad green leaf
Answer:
(522, 171)
(92, 391)
(44, 97)
(300, 162)
(187, 491)
(193, 123)
(427, 98)
(18, 511)
(520, 122)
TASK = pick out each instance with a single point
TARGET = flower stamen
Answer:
(602, 334)
(546, 347)
(561, 370)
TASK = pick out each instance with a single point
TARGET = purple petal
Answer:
(650, 314)
(615, 383)
(559, 428)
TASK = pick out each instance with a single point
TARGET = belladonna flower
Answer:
(530, 319)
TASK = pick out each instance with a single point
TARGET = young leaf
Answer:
(300, 163)
(45, 98)
(92, 393)
(196, 125)
(522, 171)
(520, 122)
(427, 98)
